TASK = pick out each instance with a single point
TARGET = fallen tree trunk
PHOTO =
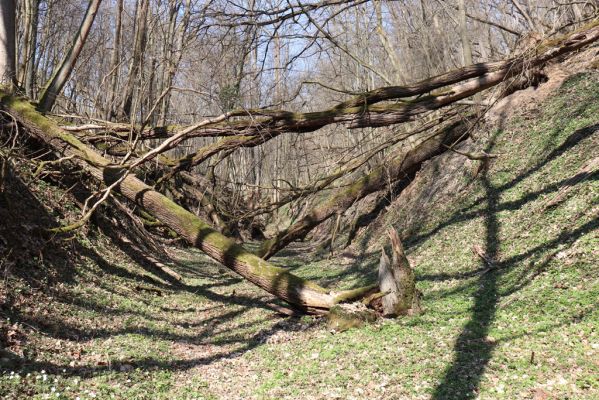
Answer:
(278, 281)
(256, 127)
(359, 112)
(403, 165)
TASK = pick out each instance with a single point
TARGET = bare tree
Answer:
(279, 281)
(30, 22)
(301, 136)
(115, 60)
(135, 66)
(61, 74)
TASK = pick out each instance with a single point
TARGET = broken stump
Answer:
(397, 282)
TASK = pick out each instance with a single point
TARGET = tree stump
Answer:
(397, 281)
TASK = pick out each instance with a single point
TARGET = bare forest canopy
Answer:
(262, 120)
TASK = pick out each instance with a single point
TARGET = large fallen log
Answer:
(278, 281)
(374, 108)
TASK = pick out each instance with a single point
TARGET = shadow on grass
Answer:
(151, 363)
(465, 215)
(44, 265)
(472, 350)
(364, 268)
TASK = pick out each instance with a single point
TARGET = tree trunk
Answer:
(341, 200)
(136, 61)
(466, 45)
(30, 63)
(7, 43)
(275, 280)
(115, 59)
(279, 281)
(60, 77)
(397, 281)
(173, 53)
(405, 164)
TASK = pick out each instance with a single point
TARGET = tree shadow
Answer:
(472, 351)
(469, 212)
(287, 325)
(25, 240)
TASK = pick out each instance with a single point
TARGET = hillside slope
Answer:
(508, 262)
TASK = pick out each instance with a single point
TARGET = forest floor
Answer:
(519, 323)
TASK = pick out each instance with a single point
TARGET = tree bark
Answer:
(31, 48)
(115, 59)
(466, 45)
(8, 73)
(136, 61)
(60, 77)
(173, 53)
(397, 282)
(466, 48)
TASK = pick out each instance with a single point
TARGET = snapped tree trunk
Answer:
(61, 75)
(397, 282)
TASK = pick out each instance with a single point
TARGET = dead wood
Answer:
(397, 281)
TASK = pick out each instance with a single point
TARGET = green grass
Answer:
(527, 325)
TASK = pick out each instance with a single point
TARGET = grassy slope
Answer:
(527, 327)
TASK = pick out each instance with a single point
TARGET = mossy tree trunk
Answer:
(278, 281)
(359, 112)
(404, 165)
(488, 75)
